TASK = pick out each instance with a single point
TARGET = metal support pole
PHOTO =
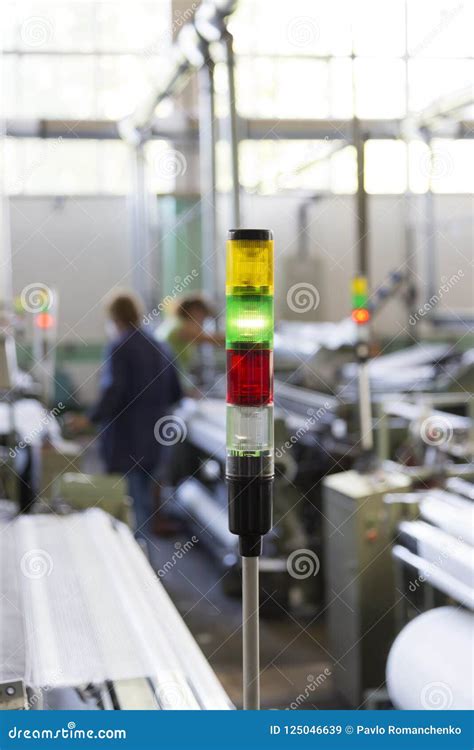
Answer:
(233, 131)
(250, 633)
(362, 245)
(408, 212)
(207, 139)
(363, 270)
(383, 434)
(359, 138)
(6, 294)
(431, 265)
(365, 408)
(140, 225)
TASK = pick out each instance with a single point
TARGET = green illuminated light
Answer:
(360, 300)
(249, 320)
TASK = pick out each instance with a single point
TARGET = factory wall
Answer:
(81, 245)
(78, 245)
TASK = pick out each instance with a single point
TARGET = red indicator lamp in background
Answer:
(249, 377)
(44, 320)
(360, 315)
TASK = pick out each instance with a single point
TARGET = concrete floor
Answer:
(296, 667)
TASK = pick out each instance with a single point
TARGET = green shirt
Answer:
(184, 351)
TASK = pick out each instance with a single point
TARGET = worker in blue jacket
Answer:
(139, 387)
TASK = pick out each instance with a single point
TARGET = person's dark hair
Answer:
(124, 309)
(186, 305)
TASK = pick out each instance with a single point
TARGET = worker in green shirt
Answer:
(184, 332)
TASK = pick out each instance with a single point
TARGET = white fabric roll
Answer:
(430, 665)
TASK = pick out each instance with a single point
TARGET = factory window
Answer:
(380, 90)
(430, 80)
(317, 60)
(92, 86)
(60, 166)
(385, 167)
(48, 47)
(440, 28)
(68, 166)
(164, 165)
(301, 28)
(445, 168)
(302, 66)
(272, 87)
(270, 166)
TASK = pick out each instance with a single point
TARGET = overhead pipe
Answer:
(190, 53)
(211, 25)
(233, 134)
(186, 56)
(207, 163)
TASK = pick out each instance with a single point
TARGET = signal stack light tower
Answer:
(361, 317)
(250, 449)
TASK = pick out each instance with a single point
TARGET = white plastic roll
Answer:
(430, 665)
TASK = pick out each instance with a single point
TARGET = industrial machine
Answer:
(434, 554)
(35, 451)
(87, 624)
(359, 580)
(384, 540)
(79, 491)
(434, 567)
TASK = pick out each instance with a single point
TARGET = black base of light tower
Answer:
(250, 512)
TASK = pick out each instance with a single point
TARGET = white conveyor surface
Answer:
(82, 605)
